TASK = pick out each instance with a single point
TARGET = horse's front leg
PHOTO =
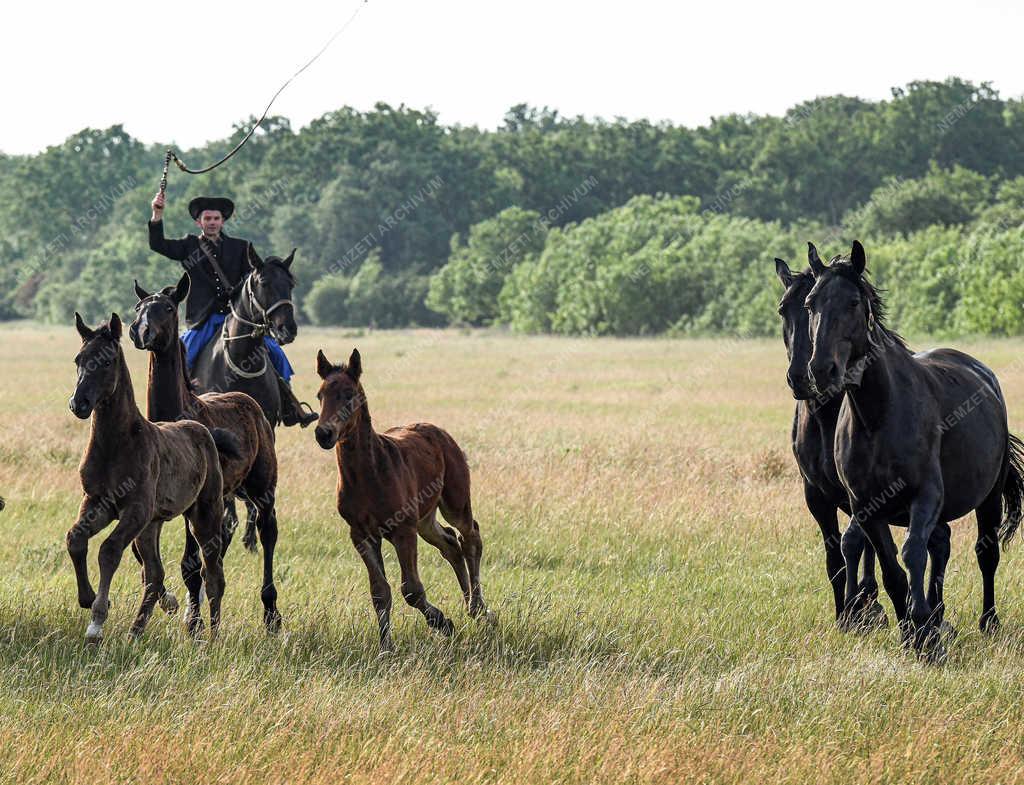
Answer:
(893, 577)
(94, 514)
(134, 518)
(825, 514)
(862, 609)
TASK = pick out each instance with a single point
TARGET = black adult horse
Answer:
(921, 438)
(813, 435)
(237, 360)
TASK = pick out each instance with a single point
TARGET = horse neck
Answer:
(872, 399)
(357, 452)
(168, 394)
(824, 414)
(118, 415)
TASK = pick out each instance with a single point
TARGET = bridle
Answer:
(259, 329)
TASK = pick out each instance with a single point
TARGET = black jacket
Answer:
(207, 292)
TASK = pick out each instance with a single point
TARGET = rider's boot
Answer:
(292, 412)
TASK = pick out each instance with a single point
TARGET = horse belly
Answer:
(973, 453)
(182, 471)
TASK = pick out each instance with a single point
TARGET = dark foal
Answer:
(140, 474)
(813, 436)
(390, 486)
(921, 438)
(252, 475)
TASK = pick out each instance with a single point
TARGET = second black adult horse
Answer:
(921, 438)
(236, 359)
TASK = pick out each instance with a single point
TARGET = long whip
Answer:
(172, 156)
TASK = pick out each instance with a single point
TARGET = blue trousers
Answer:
(196, 338)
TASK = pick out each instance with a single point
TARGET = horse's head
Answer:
(842, 308)
(155, 327)
(794, 326)
(270, 284)
(99, 365)
(341, 396)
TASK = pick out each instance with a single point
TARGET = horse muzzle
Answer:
(325, 437)
(80, 408)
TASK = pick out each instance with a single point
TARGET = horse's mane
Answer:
(843, 267)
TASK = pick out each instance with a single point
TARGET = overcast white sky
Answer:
(186, 71)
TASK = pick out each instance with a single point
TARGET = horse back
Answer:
(239, 413)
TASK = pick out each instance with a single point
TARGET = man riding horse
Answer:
(217, 265)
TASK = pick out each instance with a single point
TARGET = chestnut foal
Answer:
(141, 474)
(390, 486)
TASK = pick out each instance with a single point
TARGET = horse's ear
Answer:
(115, 326)
(291, 258)
(323, 365)
(83, 329)
(858, 257)
(141, 293)
(785, 274)
(254, 258)
(817, 266)
(181, 290)
(355, 365)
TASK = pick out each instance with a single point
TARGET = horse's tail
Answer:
(227, 444)
(1013, 490)
(2, 503)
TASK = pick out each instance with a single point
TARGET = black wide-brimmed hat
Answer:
(225, 206)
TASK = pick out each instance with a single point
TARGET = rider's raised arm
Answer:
(172, 249)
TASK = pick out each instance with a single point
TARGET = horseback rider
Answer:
(222, 263)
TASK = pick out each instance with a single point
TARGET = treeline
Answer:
(548, 223)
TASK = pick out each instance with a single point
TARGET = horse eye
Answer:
(107, 363)
(855, 303)
(170, 309)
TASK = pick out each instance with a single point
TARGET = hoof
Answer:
(488, 617)
(947, 631)
(272, 619)
(929, 644)
(989, 623)
(863, 619)
(93, 634)
(387, 648)
(169, 603)
(195, 626)
(446, 628)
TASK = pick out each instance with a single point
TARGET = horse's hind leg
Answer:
(266, 524)
(205, 519)
(938, 551)
(447, 541)
(230, 522)
(404, 540)
(472, 548)
(989, 516)
(147, 548)
(191, 575)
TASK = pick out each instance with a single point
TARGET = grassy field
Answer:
(664, 615)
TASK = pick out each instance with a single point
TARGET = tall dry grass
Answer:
(663, 609)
